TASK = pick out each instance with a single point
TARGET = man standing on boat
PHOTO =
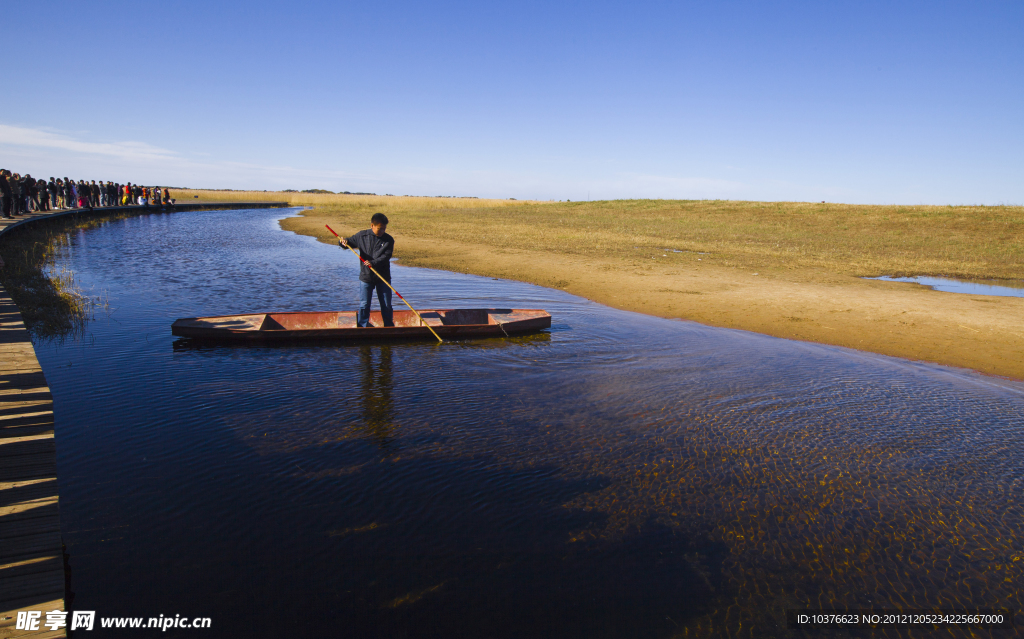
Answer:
(376, 247)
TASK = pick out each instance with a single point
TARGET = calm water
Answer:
(619, 476)
(1001, 288)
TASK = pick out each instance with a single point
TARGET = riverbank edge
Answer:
(909, 321)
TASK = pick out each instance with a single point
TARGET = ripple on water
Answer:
(620, 475)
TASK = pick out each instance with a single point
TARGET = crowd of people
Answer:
(24, 194)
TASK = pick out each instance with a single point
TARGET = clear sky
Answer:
(861, 102)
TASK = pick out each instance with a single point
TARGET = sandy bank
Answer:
(904, 320)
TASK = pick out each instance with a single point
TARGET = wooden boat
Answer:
(341, 325)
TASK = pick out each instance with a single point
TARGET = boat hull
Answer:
(341, 325)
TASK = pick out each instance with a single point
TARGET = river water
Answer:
(617, 476)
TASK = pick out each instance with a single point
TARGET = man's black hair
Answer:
(379, 218)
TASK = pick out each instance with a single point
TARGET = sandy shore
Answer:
(904, 320)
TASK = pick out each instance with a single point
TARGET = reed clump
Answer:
(37, 276)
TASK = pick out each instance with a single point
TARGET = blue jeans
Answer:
(366, 296)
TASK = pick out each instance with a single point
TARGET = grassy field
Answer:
(971, 242)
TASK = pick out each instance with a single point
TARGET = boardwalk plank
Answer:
(54, 602)
(20, 528)
(32, 566)
(17, 492)
(11, 451)
(39, 544)
(38, 470)
(27, 459)
(22, 431)
(33, 584)
(30, 509)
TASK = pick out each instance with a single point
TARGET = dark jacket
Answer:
(375, 250)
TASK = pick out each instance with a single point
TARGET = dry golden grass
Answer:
(368, 202)
(968, 242)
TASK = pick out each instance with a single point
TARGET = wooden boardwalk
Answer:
(31, 551)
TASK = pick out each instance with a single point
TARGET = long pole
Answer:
(356, 253)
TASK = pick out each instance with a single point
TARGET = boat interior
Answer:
(347, 319)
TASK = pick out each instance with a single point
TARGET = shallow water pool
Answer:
(1001, 288)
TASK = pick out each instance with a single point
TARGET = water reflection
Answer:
(378, 407)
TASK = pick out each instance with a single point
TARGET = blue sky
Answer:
(861, 102)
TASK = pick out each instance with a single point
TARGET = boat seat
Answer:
(431, 318)
(236, 322)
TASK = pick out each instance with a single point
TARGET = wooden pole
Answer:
(389, 285)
